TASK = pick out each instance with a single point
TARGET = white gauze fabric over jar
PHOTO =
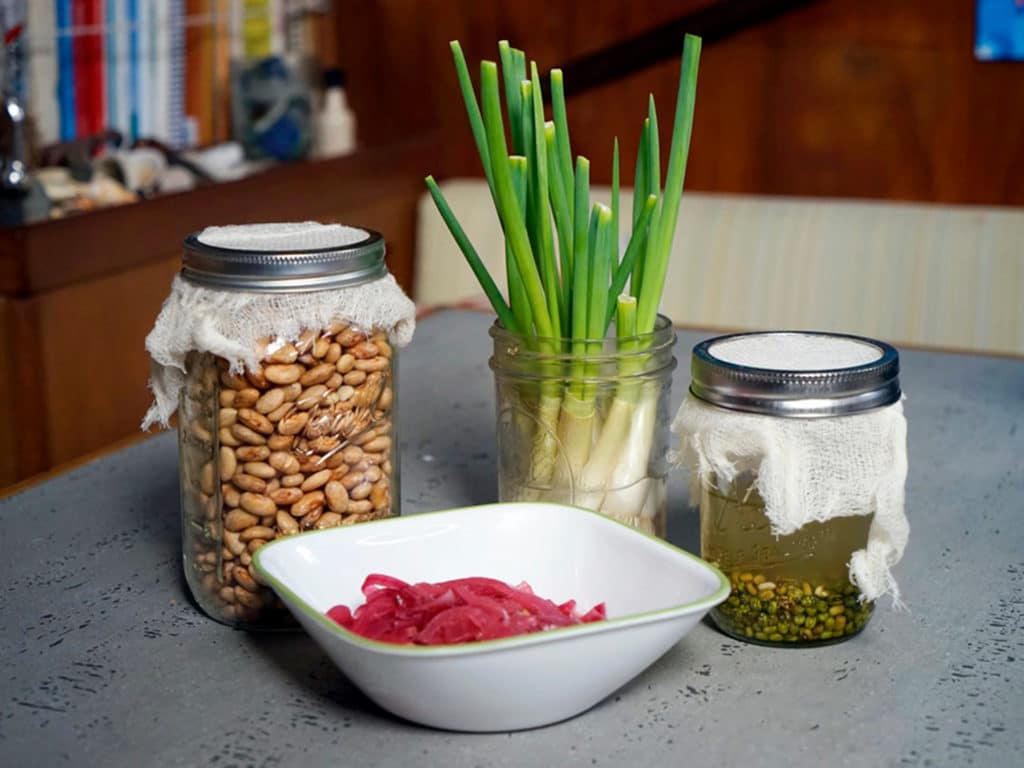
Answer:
(807, 469)
(231, 323)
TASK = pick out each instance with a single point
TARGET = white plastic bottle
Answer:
(335, 123)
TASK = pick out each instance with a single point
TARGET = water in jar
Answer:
(791, 589)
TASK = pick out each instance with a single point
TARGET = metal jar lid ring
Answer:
(358, 260)
(796, 374)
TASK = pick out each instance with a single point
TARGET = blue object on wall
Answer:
(999, 30)
(271, 109)
(65, 71)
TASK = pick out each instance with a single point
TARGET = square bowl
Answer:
(654, 594)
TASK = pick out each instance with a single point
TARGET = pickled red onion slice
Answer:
(456, 611)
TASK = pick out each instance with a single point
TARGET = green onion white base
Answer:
(600, 462)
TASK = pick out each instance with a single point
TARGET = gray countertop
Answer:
(107, 662)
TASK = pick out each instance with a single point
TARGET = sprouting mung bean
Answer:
(789, 611)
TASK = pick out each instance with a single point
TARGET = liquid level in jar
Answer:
(791, 589)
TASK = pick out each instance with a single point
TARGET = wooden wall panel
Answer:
(23, 413)
(94, 358)
(874, 99)
(401, 79)
(8, 463)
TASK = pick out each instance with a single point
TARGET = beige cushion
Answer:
(948, 276)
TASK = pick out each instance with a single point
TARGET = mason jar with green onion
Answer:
(582, 358)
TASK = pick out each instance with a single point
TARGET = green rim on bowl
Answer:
(484, 646)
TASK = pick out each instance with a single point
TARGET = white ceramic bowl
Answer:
(654, 592)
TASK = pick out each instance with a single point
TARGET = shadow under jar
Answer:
(794, 589)
(304, 441)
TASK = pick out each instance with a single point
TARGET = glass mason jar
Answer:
(792, 590)
(586, 422)
(303, 442)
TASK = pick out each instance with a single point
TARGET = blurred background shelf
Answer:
(78, 295)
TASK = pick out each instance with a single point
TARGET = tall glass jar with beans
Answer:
(303, 441)
(800, 432)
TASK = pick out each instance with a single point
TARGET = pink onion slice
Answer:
(455, 611)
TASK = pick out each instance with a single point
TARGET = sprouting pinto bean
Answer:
(305, 443)
(283, 374)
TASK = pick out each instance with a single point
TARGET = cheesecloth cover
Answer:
(812, 434)
(269, 281)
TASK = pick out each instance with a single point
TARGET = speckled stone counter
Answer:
(106, 662)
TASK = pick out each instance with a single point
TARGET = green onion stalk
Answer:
(566, 279)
